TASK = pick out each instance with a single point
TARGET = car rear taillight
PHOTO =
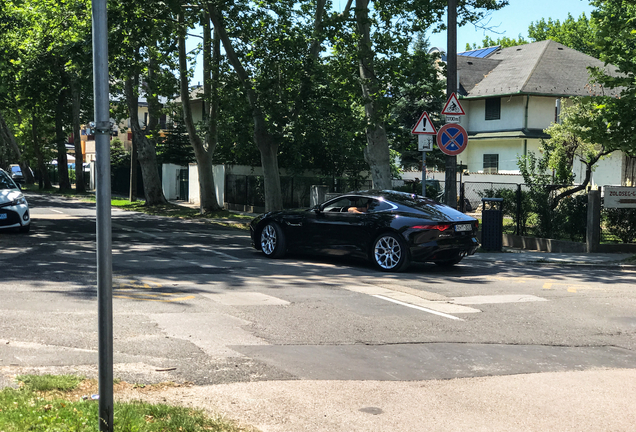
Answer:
(476, 224)
(438, 227)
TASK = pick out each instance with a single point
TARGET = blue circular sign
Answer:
(452, 139)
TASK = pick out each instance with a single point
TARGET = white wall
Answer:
(541, 112)
(512, 115)
(170, 180)
(608, 171)
(218, 172)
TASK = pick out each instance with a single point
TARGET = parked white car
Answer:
(14, 209)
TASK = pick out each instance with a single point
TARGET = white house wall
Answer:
(540, 112)
(512, 115)
(608, 171)
(508, 151)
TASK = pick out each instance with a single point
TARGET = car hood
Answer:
(8, 195)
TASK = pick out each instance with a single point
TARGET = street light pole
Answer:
(450, 177)
(104, 227)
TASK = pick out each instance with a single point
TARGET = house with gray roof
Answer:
(511, 95)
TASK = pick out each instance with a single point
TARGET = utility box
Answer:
(492, 224)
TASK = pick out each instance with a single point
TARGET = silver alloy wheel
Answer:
(387, 252)
(268, 240)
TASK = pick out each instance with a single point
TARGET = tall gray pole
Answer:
(450, 177)
(104, 233)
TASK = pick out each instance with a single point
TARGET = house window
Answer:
(493, 109)
(491, 163)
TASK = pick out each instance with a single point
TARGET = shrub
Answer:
(621, 223)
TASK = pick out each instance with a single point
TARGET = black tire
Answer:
(25, 229)
(273, 243)
(449, 263)
(390, 253)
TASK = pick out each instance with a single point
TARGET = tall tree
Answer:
(142, 53)
(615, 40)
(267, 46)
(577, 34)
(203, 149)
(383, 30)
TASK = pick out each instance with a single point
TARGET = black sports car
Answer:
(391, 229)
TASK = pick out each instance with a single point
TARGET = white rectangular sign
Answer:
(425, 143)
(619, 197)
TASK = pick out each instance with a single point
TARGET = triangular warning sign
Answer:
(453, 107)
(424, 126)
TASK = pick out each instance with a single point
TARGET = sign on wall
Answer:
(619, 197)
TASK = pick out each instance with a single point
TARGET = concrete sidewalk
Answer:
(520, 256)
(594, 400)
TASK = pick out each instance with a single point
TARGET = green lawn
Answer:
(52, 403)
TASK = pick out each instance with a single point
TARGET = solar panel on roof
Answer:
(479, 53)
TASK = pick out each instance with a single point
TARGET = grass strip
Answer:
(47, 409)
(222, 217)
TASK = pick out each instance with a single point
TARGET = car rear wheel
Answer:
(273, 242)
(390, 253)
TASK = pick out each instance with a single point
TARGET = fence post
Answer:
(518, 231)
(593, 237)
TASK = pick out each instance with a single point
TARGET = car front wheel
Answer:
(273, 242)
(390, 253)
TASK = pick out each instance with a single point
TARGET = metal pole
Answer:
(424, 174)
(104, 233)
(451, 87)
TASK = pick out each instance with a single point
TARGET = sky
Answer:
(511, 21)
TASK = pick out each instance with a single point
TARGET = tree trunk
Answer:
(44, 173)
(60, 138)
(76, 97)
(146, 152)
(9, 138)
(266, 145)
(377, 152)
(132, 190)
(207, 191)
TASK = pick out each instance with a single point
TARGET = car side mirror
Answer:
(319, 208)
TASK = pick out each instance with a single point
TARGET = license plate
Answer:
(3, 215)
(463, 227)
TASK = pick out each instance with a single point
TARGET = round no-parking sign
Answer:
(452, 139)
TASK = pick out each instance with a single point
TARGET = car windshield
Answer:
(6, 182)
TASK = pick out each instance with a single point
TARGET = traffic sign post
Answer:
(424, 130)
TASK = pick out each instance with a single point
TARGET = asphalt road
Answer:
(193, 302)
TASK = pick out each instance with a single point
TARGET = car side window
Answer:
(377, 206)
(340, 205)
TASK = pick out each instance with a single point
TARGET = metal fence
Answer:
(249, 190)
(524, 215)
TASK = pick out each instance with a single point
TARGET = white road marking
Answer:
(202, 265)
(222, 254)
(494, 299)
(418, 308)
(246, 299)
(56, 211)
